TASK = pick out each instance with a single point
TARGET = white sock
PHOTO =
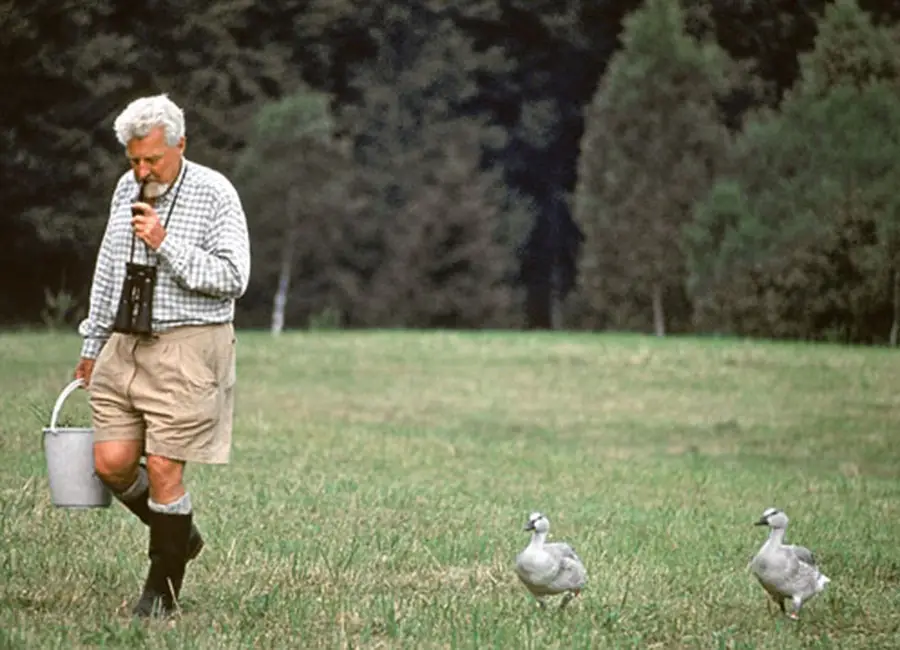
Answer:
(180, 507)
(139, 487)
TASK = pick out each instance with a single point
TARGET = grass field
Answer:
(380, 481)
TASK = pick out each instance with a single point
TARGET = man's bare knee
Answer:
(166, 477)
(116, 462)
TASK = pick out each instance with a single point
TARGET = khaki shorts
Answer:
(174, 391)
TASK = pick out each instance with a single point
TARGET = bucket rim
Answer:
(68, 429)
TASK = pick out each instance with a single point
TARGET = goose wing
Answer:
(572, 573)
(803, 554)
(561, 550)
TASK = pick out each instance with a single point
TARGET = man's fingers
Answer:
(143, 225)
(144, 221)
(83, 371)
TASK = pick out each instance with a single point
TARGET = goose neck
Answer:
(537, 539)
(776, 537)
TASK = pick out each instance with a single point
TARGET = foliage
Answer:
(433, 244)
(652, 144)
(449, 263)
(61, 309)
(513, 77)
(849, 50)
(765, 37)
(74, 67)
(800, 238)
(286, 175)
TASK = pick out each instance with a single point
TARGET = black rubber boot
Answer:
(141, 509)
(168, 548)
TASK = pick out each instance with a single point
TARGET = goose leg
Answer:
(797, 602)
(778, 600)
(568, 597)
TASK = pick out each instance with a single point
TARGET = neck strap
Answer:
(171, 208)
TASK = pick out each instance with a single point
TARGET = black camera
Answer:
(135, 312)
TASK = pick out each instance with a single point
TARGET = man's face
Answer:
(154, 162)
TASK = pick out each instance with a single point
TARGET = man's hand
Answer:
(147, 226)
(83, 370)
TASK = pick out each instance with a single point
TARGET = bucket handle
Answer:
(68, 390)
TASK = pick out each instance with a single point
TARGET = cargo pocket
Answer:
(198, 385)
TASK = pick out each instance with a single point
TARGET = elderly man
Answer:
(158, 355)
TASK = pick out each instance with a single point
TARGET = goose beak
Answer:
(761, 522)
(529, 526)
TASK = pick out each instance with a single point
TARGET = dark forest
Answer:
(708, 167)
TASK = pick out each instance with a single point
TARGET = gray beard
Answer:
(154, 190)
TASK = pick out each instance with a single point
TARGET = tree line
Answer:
(651, 165)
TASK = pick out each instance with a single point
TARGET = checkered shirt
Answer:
(203, 262)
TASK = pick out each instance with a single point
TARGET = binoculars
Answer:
(135, 312)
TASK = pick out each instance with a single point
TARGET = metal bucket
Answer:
(70, 462)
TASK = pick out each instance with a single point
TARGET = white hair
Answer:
(147, 113)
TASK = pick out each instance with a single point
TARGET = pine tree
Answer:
(652, 143)
(804, 182)
(849, 50)
(436, 217)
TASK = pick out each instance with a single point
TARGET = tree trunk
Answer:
(555, 312)
(279, 303)
(539, 305)
(284, 285)
(556, 299)
(895, 300)
(659, 315)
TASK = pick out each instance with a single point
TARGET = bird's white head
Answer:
(538, 523)
(773, 518)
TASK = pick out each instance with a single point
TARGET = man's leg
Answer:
(171, 525)
(120, 431)
(120, 439)
(185, 398)
(118, 465)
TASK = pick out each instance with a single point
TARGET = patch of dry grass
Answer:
(380, 481)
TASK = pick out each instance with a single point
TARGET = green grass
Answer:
(380, 482)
